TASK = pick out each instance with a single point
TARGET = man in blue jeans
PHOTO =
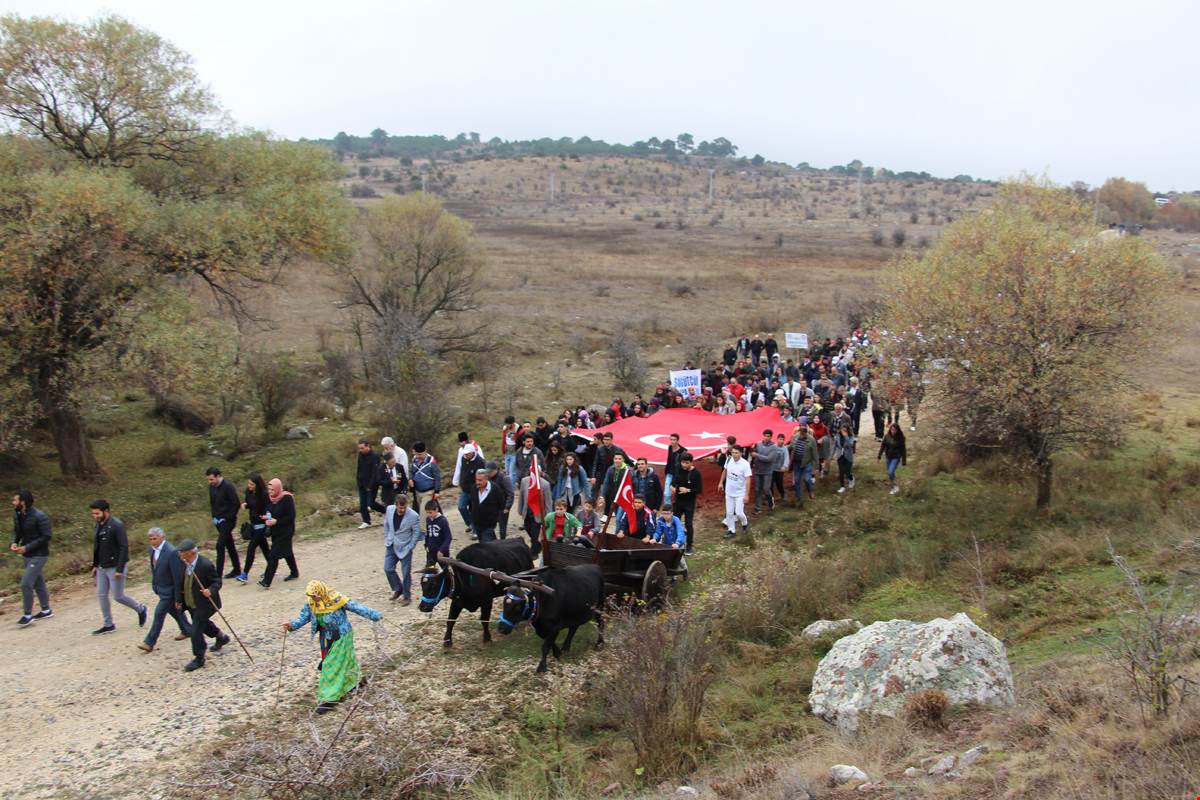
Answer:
(401, 532)
(804, 458)
(166, 570)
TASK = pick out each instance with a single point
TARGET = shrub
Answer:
(168, 454)
(926, 709)
(877, 237)
(276, 386)
(362, 190)
(899, 236)
(679, 287)
(658, 712)
(810, 214)
(625, 362)
(339, 372)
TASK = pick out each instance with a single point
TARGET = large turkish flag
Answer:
(701, 432)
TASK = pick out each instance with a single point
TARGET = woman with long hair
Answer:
(894, 448)
(255, 505)
(571, 483)
(554, 460)
(843, 451)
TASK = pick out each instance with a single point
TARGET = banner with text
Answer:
(795, 341)
(686, 382)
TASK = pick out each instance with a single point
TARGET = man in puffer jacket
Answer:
(31, 540)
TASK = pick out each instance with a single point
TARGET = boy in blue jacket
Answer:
(437, 533)
(668, 529)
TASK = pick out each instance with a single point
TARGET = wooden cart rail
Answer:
(494, 575)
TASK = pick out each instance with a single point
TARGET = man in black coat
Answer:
(224, 503)
(110, 556)
(31, 540)
(367, 478)
(199, 591)
(686, 487)
(166, 571)
(486, 504)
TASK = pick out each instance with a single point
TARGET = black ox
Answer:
(473, 592)
(578, 597)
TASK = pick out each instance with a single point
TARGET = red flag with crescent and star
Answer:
(624, 499)
(535, 501)
(702, 432)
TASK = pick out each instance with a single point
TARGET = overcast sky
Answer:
(1076, 90)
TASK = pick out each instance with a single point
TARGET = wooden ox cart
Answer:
(630, 566)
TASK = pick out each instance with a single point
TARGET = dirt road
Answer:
(82, 713)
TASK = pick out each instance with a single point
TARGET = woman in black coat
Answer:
(281, 520)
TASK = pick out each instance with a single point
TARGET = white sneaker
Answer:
(841, 490)
(895, 490)
(852, 483)
(364, 525)
(912, 428)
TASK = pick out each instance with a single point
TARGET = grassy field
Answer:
(637, 244)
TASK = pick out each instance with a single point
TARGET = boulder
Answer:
(944, 765)
(822, 627)
(844, 773)
(912, 772)
(874, 670)
(298, 432)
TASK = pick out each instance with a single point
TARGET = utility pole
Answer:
(711, 175)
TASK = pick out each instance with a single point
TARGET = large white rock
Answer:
(873, 671)
(822, 627)
(844, 773)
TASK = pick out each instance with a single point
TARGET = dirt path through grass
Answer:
(80, 710)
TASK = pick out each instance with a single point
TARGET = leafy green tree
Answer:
(758, 160)
(121, 189)
(685, 143)
(1022, 319)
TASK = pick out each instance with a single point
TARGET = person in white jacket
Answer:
(388, 445)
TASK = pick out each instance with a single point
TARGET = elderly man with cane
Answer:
(199, 591)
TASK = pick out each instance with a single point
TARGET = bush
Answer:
(276, 386)
(339, 372)
(926, 709)
(877, 237)
(678, 287)
(899, 236)
(625, 362)
(658, 712)
(168, 454)
(409, 380)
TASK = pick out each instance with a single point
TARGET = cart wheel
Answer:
(655, 585)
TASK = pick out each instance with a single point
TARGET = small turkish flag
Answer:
(536, 503)
(624, 498)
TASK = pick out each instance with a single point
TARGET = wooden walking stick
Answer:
(279, 683)
(222, 616)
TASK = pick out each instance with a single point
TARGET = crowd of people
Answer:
(564, 486)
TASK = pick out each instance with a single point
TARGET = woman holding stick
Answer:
(325, 610)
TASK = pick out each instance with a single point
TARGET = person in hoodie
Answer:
(437, 533)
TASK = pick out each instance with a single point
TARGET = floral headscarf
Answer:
(322, 599)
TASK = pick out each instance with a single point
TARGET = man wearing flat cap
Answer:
(199, 591)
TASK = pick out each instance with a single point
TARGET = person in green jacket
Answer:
(560, 524)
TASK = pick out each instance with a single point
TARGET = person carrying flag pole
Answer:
(532, 503)
(623, 503)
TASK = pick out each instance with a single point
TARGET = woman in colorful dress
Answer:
(326, 611)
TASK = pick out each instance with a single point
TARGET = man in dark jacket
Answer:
(31, 540)
(501, 480)
(224, 503)
(486, 503)
(647, 484)
(199, 591)
(166, 571)
(686, 487)
(367, 478)
(110, 555)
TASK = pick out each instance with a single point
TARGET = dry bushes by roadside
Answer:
(665, 666)
(776, 593)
